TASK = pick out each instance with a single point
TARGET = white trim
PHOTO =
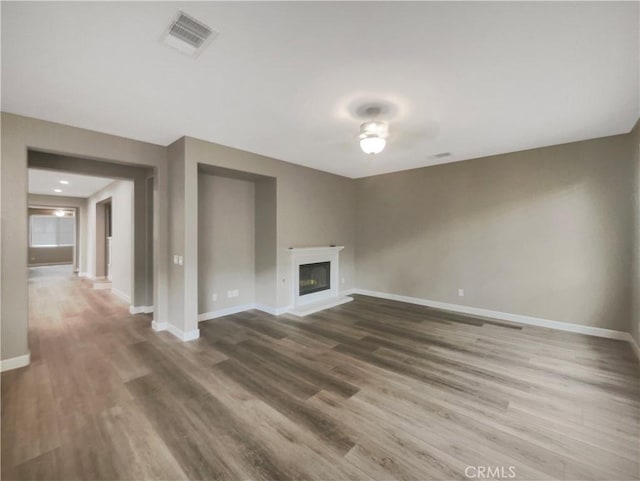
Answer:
(314, 250)
(159, 326)
(505, 316)
(50, 264)
(634, 345)
(119, 294)
(15, 362)
(83, 274)
(309, 255)
(320, 306)
(183, 336)
(206, 316)
(274, 311)
(140, 309)
(101, 283)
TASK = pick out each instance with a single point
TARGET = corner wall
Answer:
(313, 208)
(121, 194)
(545, 233)
(19, 134)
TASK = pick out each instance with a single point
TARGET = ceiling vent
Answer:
(188, 35)
(441, 155)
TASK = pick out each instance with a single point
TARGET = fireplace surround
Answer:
(315, 275)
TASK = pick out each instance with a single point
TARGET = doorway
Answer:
(104, 231)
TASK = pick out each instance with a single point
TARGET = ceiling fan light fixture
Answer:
(372, 137)
(372, 145)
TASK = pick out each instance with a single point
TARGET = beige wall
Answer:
(543, 233)
(43, 256)
(121, 194)
(175, 158)
(266, 248)
(226, 242)
(635, 283)
(22, 133)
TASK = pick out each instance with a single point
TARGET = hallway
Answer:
(68, 415)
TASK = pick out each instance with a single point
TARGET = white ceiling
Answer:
(46, 181)
(285, 79)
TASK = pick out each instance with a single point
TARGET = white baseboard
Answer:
(15, 362)
(50, 264)
(320, 306)
(140, 309)
(274, 311)
(101, 283)
(634, 345)
(83, 274)
(159, 326)
(505, 316)
(119, 294)
(206, 316)
(183, 336)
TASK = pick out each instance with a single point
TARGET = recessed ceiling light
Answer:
(64, 182)
(57, 190)
(60, 213)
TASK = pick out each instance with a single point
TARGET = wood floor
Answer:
(372, 389)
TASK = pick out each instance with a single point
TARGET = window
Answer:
(52, 231)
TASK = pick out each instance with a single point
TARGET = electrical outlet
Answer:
(233, 293)
(460, 292)
(180, 260)
(175, 258)
(214, 297)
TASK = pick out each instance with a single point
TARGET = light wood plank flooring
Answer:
(372, 389)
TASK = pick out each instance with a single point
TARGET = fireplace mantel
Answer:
(314, 250)
(303, 305)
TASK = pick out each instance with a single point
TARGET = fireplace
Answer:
(314, 277)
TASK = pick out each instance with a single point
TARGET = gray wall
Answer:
(19, 134)
(175, 160)
(313, 208)
(121, 194)
(544, 233)
(226, 242)
(43, 256)
(634, 140)
(266, 253)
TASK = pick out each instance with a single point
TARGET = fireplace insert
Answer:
(315, 277)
